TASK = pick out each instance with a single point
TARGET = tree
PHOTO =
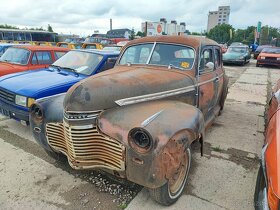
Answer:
(8, 26)
(141, 34)
(132, 35)
(50, 28)
(221, 33)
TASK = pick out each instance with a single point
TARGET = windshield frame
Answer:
(81, 51)
(151, 54)
(27, 61)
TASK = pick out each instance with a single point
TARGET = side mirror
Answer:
(209, 66)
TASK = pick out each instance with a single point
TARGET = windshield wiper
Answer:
(68, 68)
(57, 67)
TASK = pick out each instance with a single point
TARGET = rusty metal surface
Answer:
(101, 91)
(170, 104)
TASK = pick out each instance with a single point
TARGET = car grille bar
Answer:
(6, 96)
(85, 146)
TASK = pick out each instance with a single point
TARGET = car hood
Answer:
(272, 55)
(272, 154)
(103, 91)
(232, 55)
(33, 83)
(7, 68)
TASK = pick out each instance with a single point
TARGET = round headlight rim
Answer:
(34, 112)
(136, 146)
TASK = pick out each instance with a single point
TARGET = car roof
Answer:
(37, 48)
(101, 52)
(190, 40)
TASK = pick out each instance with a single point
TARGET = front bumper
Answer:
(268, 62)
(12, 111)
(232, 61)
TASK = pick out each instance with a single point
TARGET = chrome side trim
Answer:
(263, 162)
(154, 96)
(151, 118)
(160, 95)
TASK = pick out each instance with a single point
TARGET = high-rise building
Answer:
(218, 17)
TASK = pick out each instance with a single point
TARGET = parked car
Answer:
(4, 47)
(259, 49)
(28, 57)
(92, 46)
(19, 91)
(69, 45)
(267, 191)
(269, 56)
(138, 120)
(238, 54)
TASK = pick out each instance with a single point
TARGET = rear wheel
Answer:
(173, 189)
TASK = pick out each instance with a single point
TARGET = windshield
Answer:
(236, 50)
(16, 56)
(271, 50)
(80, 62)
(177, 56)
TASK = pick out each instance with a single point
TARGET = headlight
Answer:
(24, 101)
(140, 140)
(36, 113)
(262, 57)
(241, 57)
(21, 100)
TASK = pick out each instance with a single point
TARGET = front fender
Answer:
(52, 109)
(168, 122)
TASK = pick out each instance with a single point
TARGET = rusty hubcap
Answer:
(177, 180)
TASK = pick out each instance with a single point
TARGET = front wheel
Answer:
(259, 191)
(173, 189)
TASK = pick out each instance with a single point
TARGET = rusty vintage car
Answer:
(138, 120)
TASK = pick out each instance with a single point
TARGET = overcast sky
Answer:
(82, 17)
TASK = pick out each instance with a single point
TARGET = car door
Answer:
(219, 72)
(207, 83)
(41, 59)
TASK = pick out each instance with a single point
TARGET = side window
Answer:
(57, 55)
(44, 57)
(34, 59)
(217, 57)
(109, 63)
(206, 57)
(144, 55)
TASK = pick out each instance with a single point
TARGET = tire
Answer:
(164, 194)
(257, 65)
(260, 185)
(57, 156)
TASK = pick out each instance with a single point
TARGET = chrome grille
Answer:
(6, 96)
(85, 146)
(81, 116)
